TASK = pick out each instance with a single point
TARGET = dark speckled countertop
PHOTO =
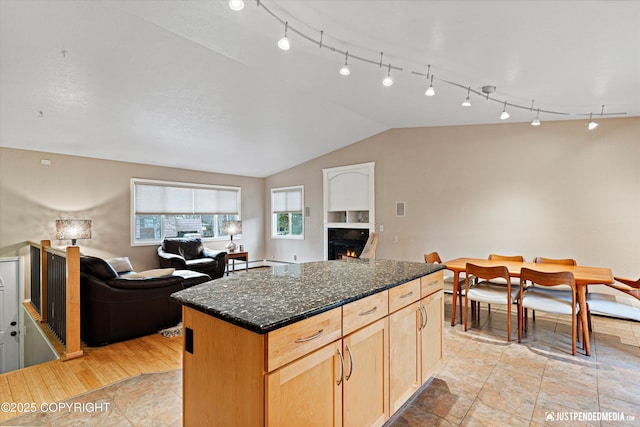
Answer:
(265, 299)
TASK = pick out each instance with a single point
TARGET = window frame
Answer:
(187, 185)
(274, 221)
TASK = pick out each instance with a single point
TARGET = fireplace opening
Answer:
(346, 242)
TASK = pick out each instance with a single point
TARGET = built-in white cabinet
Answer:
(349, 198)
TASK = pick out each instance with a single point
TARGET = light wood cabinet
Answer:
(404, 355)
(351, 366)
(307, 392)
(366, 377)
(415, 332)
(431, 329)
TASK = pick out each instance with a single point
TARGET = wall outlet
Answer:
(395, 239)
(381, 228)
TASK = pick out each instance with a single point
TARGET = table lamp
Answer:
(73, 229)
(231, 228)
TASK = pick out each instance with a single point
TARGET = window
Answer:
(286, 210)
(173, 209)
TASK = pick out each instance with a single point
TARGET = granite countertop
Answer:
(265, 299)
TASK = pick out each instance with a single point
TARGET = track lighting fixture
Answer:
(345, 70)
(388, 81)
(236, 5)
(536, 121)
(486, 91)
(283, 43)
(504, 115)
(592, 125)
(467, 101)
(430, 91)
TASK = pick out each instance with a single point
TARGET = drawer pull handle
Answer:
(350, 364)
(421, 318)
(312, 337)
(407, 295)
(366, 313)
(433, 283)
(341, 367)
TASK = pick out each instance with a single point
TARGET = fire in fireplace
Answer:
(346, 242)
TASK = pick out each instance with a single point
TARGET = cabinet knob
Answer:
(14, 323)
(14, 333)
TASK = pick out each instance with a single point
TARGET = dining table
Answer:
(583, 276)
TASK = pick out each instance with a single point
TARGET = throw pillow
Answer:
(97, 267)
(191, 249)
(156, 272)
(121, 265)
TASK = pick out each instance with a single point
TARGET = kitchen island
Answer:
(325, 343)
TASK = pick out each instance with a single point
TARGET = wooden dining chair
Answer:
(484, 290)
(614, 305)
(561, 288)
(499, 281)
(516, 258)
(434, 258)
(534, 298)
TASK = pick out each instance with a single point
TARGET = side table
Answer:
(233, 256)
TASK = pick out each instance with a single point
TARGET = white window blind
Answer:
(287, 200)
(163, 198)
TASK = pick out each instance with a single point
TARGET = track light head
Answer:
(430, 91)
(467, 101)
(283, 43)
(536, 121)
(388, 81)
(236, 5)
(345, 70)
(591, 125)
(504, 115)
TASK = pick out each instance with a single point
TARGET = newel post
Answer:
(73, 303)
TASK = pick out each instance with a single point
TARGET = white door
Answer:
(9, 336)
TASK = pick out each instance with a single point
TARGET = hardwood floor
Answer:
(59, 380)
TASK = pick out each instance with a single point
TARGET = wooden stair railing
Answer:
(70, 335)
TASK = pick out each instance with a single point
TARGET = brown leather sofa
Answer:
(116, 308)
(191, 254)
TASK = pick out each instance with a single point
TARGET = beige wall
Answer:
(33, 196)
(556, 190)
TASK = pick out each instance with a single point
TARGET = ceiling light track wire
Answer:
(390, 67)
(322, 44)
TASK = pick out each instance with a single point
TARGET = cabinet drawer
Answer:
(294, 341)
(432, 283)
(403, 295)
(364, 311)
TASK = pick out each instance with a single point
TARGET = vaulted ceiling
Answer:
(193, 84)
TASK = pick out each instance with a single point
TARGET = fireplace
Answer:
(346, 242)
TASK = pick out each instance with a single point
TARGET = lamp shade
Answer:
(232, 227)
(72, 229)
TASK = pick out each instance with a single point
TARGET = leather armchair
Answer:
(114, 308)
(190, 254)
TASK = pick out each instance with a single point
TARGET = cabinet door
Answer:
(431, 334)
(404, 355)
(366, 381)
(307, 392)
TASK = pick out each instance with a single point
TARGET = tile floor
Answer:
(484, 381)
